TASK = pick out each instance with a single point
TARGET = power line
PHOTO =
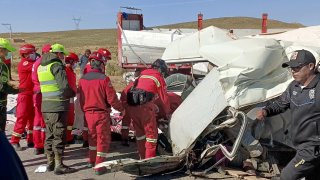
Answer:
(77, 22)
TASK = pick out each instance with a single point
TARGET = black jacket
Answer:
(304, 104)
(10, 164)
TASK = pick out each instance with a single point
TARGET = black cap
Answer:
(300, 57)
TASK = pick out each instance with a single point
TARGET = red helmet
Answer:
(96, 56)
(72, 57)
(27, 49)
(46, 48)
(105, 53)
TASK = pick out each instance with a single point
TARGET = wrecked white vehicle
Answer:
(219, 114)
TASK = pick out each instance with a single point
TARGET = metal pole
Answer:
(7, 24)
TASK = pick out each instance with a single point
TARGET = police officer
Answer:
(56, 95)
(5, 88)
(303, 99)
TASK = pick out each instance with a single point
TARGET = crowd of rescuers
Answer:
(45, 103)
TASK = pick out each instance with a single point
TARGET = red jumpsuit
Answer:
(174, 100)
(87, 68)
(39, 125)
(71, 76)
(144, 116)
(25, 109)
(97, 95)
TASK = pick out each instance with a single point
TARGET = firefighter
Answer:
(140, 97)
(39, 125)
(71, 62)
(56, 94)
(5, 88)
(106, 57)
(97, 95)
(25, 109)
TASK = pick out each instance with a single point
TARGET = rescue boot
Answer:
(30, 145)
(90, 165)
(85, 144)
(60, 168)
(38, 151)
(50, 163)
(100, 171)
(17, 147)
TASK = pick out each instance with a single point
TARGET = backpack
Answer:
(137, 96)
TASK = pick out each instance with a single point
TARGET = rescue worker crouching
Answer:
(56, 94)
(141, 95)
(25, 108)
(97, 95)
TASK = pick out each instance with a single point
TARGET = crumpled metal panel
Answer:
(205, 102)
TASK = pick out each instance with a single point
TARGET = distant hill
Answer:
(235, 23)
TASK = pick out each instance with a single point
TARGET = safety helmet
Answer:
(105, 53)
(46, 48)
(4, 43)
(96, 56)
(58, 48)
(27, 49)
(161, 66)
(71, 57)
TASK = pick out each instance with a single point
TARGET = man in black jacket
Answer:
(302, 97)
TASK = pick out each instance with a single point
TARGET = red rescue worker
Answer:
(71, 63)
(39, 126)
(140, 97)
(25, 109)
(106, 57)
(97, 95)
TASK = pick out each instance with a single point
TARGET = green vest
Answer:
(49, 87)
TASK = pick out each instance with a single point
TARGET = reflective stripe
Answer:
(37, 128)
(101, 154)
(43, 129)
(85, 129)
(29, 132)
(141, 138)
(69, 128)
(151, 77)
(125, 127)
(50, 94)
(151, 140)
(48, 82)
(72, 100)
(16, 134)
(92, 148)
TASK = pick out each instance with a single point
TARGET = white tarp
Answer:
(149, 45)
(188, 47)
(308, 36)
(196, 112)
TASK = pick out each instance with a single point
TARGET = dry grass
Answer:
(79, 40)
